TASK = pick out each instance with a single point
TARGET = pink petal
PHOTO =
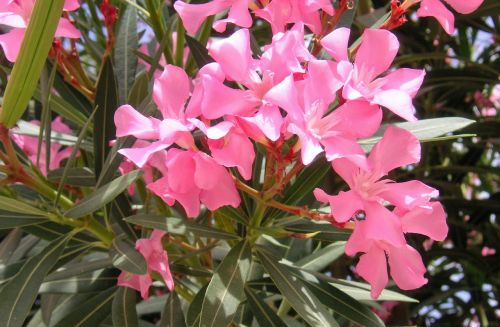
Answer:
(235, 150)
(357, 118)
(343, 147)
(347, 170)
(408, 195)
(397, 101)
(372, 266)
(438, 10)
(376, 52)
(71, 5)
(224, 194)
(344, 205)
(67, 29)
(11, 43)
(220, 100)
(285, 95)
(323, 82)
(141, 283)
(336, 43)
(310, 146)
(398, 147)
(465, 6)
(427, 222)
(11, 19)
(141, 155)
(238, 15)
(193, 15)
(129, 121)
(268, 120)
(382, 225)
(181, 170)
(207, 172)
(234, 55)
(407, 268)
(404, 79)
(171, 90)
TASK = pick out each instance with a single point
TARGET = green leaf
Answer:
(172, 315)
(8, 244)
(225, 291)
(265, 316)
(63, 108)
(89, 282)
(106, 101)
(78, 268)
(425, 130)
(31, 59)
(199, 52)
(338, 301)
(320, 259)
(307, 305)
(91, 312)
(361, 291)
(48, 302)
(323, 231)
(123, 309)
(194, 310)
(10, 220)
(103, 195)
(75, 176)
(12, 205)
(128, 259)
(140, 90)
(21, 291)
(125, 59)
(179, 226)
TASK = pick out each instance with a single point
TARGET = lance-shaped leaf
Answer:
(29, 64)
(320, 259)
(262, 312)
(127, 258)
(96, 281)
(323, 231)
(198, 51)
(12, 220)
(194, 310)
(91, 312)
(106, 101)
(426, 130)
(172, 315)
(225, 291)
(338, 301)
(75, 176)
(103, 195)
(13, 205)
(123, 309)
(125, 59)
(307, 305)
(179, 226)
(21, 291)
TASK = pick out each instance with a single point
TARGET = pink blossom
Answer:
(438, 10)
(193, 177)
(157, 261)
(29, 145)
(363, 80)
(16, 14)
(378, 231)
(486, 251)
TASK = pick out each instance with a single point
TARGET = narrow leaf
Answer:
(31, 59)
(199, 52)
(125, 59)
(296, 293)
(179, 226)
(194, 310)
(123, 310)
(11, 220)
(225, 291)
(21, 291)
(90, 313)
(12, 205)
(106, 100)
(172, 315)
(103, 195)
(262, 312)
(127, 258)
(76, 176)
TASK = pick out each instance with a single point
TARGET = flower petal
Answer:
(372, 266)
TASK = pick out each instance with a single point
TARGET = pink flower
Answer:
(438, 10)
(157, 260)
(193, 177)
(486, 251)
(378, 231)
(362, 80)
(16, 14)
(193, 15)
(29, 144)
